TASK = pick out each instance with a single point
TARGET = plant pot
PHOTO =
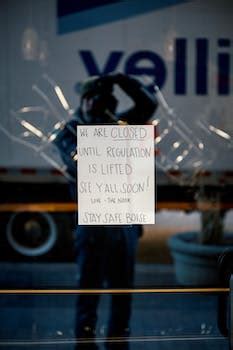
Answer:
(197, 264)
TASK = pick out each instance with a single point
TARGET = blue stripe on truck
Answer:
(73, 16)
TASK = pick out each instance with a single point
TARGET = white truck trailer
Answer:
(183, 48)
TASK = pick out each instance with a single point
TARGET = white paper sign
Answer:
(116, 175)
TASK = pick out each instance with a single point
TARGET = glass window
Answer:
(120, 236)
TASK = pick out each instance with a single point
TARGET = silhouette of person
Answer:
(105, 254)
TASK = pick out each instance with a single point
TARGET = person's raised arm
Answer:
(145, 103)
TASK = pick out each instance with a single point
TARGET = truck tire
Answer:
(31, 234)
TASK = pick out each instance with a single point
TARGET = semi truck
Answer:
(182, 51)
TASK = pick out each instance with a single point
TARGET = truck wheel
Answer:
(31, 233)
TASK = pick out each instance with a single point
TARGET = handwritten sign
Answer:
(116, 174)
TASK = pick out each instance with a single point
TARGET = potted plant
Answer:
(196, 254)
